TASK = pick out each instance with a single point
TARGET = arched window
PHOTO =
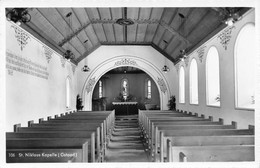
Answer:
(212, 77)
(100, 89)
(68, 93)
(148, 89)
(194, 82)
(124, 88)
(182, 85)
(245, 51)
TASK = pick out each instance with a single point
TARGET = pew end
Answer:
(182, 157)
(16, 127)
(221, 120)
(234, 124)
(41, 120)
(251, 128)
(30, 123)
(210, 118)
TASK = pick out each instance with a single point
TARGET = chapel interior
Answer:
(130, 84)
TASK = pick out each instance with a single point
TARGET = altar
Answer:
(125, 108)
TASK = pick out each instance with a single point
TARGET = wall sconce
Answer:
(165, 69)
(85, 68)
(18, 15)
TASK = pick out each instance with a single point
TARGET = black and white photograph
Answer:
(122, 83)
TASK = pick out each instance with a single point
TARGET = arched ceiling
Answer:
(168, 30)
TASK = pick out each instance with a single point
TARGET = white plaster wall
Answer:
(29, 97)
(148, 59)
(227, 109)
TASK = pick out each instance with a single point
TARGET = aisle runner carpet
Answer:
(126, 144)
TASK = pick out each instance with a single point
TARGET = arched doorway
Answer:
(125, 88)
(120, 61)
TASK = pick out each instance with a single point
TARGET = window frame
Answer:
(191, 84)
(237, 107)
(207, 79)
(180, 94)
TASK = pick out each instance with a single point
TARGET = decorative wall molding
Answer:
(63, 61)
(201, 52)
(162, 84)
(225, 36)
(90, 84)
(21, 36)
(126, 61)
(47, 52)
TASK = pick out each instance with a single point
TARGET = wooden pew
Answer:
(153, 123)
(47, 150)
(225, 140)
(228, 153)
(155, 137)
(164, 134)
(147, 130)
(99, 137)
(70, 125)
(194, 132)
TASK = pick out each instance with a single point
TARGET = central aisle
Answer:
(126, 143)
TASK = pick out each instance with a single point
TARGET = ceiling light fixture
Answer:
(85, 67)
(124, 21)
(18, 15)
(165, 69)
(68, 53)
(183, 52)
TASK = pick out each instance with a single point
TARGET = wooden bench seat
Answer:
(164, 134)
(228, 153)
(155, 136)
(222, 140)
(147, 126)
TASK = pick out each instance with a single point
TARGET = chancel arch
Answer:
(121, 61)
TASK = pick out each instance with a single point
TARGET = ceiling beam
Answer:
(199, 22)
(80, 26)
(162, 23)
(65, 40)
(184, 21)
(173, 31)
(163, 52)
(177, 46)
(161, 38)
(169, 42)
